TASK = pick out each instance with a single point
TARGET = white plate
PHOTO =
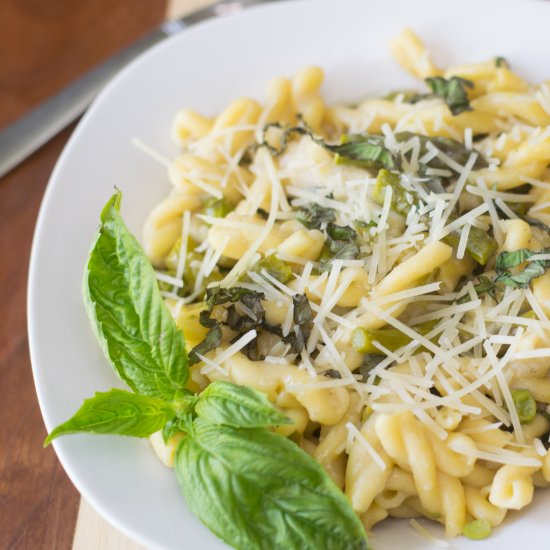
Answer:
(204, 68)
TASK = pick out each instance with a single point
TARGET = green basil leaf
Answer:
(127, 312)
(507, 260)
(183, 422)
(171, 428)
(339, 232)
(255, 490)
(370, 361)
(117, 412)
(218, 295)
(340, 244)
(452, 91)
(238, 406)
(523, 278)
(303, 316)
(485, 285)
(211, 341)
(532, 269)
(364, 150)
(314, 215)
(332, 373)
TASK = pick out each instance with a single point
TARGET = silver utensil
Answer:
(19, 140)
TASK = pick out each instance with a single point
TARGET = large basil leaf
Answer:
(257, 490)
(237, 406)
(131, 321)
(117, 412)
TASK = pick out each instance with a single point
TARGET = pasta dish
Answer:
(378, 272)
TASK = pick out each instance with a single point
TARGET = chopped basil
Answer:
(340, 244)
(252, 318)
(364, 150)
(521, 278)
(218, 295)
(485, 285)
(332, 373)
(452, 91)
(303, 316)
(262, 213)
(211, 341)
(370, 360)
(314, 216)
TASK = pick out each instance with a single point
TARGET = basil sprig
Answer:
(253, 488)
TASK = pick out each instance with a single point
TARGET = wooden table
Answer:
(43, 46)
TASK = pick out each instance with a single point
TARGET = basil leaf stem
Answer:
(251, 487)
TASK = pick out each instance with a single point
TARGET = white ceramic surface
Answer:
(204, 68)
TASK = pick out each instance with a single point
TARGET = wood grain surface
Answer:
(43, 46)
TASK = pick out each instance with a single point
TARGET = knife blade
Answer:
(22, 138)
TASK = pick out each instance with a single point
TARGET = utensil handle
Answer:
(19, 140)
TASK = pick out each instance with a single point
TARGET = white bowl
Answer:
(204, 68)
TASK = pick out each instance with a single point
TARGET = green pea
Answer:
(525, 404)
(478, 529)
